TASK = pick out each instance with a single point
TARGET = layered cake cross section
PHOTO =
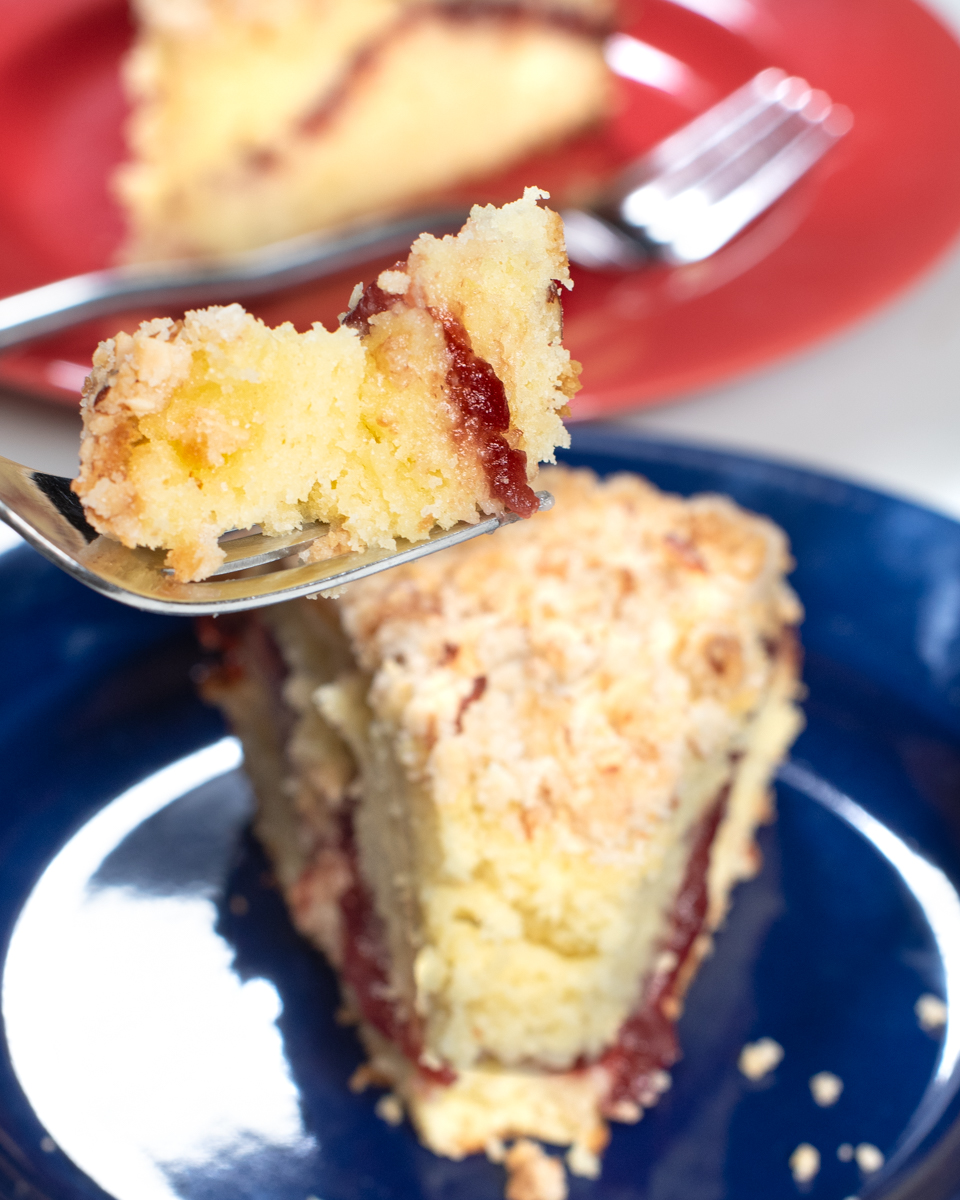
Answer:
(432, 403)
(508, 791)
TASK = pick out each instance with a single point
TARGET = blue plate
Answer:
(168, 1035)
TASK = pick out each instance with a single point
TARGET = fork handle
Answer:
(180, 284)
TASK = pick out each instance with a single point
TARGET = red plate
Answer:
(871, 216)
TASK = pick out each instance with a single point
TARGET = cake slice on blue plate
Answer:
(508, 791)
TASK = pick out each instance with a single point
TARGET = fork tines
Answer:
(703, 184)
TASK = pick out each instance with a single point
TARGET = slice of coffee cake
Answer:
(509, 789)
(432, 403)
(254, 120)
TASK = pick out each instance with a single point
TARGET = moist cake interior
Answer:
(509, 790)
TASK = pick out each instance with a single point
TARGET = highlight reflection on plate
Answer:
(140, 1049)
(170, 1036)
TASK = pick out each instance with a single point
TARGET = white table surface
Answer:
(880, 403)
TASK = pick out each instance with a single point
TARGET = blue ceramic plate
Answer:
(168, 1035)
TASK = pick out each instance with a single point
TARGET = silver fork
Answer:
(679, 203)
(44, 511)
(705, 183)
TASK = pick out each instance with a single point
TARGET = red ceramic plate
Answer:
(868, 219)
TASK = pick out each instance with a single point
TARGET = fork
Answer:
(690, 195)
(678, 204)
(46, 513)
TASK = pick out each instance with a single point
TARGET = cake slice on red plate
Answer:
(255, 120)
(432, 403)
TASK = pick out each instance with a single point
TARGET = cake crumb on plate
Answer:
(427, 714)
(495, 1150)
(825, 1087)
(758, 1059)
(869, 1158)
(582, 1161)
(532, 1174)
(805, 1163)
(931, 1012)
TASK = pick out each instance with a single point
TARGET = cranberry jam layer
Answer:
(431, 403)
(509, 791)
(258, 121)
